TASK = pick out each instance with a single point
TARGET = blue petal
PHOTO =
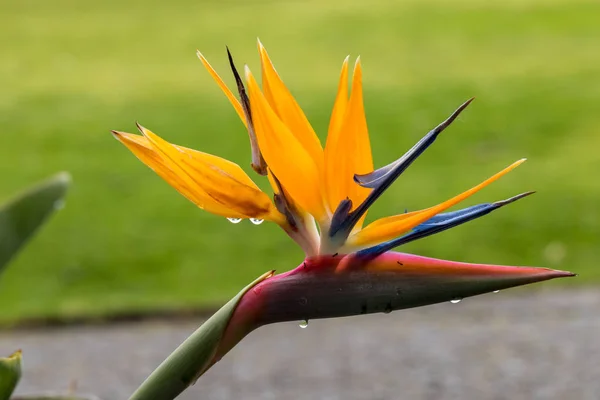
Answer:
(380, 179)
(439, 223)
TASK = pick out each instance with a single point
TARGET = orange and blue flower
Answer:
(321, 196)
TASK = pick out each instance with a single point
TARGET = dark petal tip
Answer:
(374, 179)
(513, 199)
(139, 127)
(258, 162)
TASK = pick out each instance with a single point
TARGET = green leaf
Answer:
(10, 373)
(24, 214)
(193, 357)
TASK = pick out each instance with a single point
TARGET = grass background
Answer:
(70, 71)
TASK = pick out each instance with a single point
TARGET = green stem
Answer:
(194, 356)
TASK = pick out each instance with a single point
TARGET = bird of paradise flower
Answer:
(321, 198)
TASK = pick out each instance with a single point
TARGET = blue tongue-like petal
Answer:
(391, 171)
(380, 179)
(439, 223)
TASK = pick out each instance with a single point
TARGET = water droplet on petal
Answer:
(234, 220)
(256, 221)
(303, 324)
(59, 204)
(455, 301)
(496, 291)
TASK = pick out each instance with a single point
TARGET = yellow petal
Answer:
(224, 181)
(232, 99)
(392, 227)
(394, 219)
(143, 150)
(287, 109)
(348, 149)
(214, 184)
(285, 155)
(331, 183)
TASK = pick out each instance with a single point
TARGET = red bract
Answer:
(341, 286)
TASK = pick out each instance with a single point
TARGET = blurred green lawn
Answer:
(71, 71)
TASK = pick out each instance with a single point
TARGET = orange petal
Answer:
(391, 227)
(214, 184)
(288, 110)
(144, 151)
(286, 156)
(331, 180)
(232, 99)
(348, 149)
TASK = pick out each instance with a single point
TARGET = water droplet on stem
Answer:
(455, 301)
(303, 324)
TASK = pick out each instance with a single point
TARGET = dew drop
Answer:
(303, 324)
(256, 221)
(496, 291)
(234, 220)
(455, 301)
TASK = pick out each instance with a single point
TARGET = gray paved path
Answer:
(511, 345)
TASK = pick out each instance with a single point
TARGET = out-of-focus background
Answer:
(126, 242)
(71, 71)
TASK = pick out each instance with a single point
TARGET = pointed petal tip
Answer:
(247, 71)
(232, 65)
(461, 108)
(502, 203)
(535, 274)
(516, 163)
(556, 273)
(120, 136)
(441, 127)
(140, 128)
